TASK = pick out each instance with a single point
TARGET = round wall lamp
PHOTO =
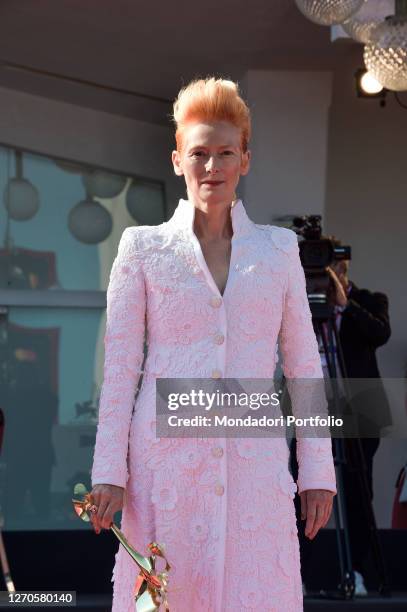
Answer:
(145, 202)
(89, 222)
(105, 185)
(21, 197)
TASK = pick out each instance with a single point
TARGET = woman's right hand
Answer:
(108, 499)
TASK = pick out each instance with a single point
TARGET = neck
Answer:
(212, 221)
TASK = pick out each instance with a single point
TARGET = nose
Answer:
(211, 165)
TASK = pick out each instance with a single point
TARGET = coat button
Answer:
(215, 301)
(217, 451)
(216, 373)
(219, 338)
(219, 489)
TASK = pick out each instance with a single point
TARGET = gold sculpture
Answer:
(150, 589)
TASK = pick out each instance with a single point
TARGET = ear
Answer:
(245, 165)
(176, 162)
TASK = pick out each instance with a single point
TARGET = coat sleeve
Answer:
(373, 324)
(124, 343)
(300, 361)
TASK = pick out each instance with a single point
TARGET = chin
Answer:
(217, 198)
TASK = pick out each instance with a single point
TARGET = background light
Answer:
(368, 87)
(370, 84)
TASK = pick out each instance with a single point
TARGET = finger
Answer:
(101, 511)
(328, 512)
(303, 498)
(95, 522)
(93, 518)
(325, 515)
(328, 509)
(95, 497)
(317, 522)
(320, 520)
(108, 515)
(311, 515)
(96, 527)
(311, 531)
(107, 519)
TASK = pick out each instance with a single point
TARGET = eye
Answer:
(227, 152)
(197, 154)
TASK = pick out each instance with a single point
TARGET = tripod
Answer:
(345, 450)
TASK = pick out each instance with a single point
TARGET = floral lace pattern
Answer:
(222, 507)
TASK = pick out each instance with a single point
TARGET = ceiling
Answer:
(152, 48)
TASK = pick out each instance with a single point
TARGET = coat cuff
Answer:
(119, 480)
(305, 485)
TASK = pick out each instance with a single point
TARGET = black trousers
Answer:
(359, 533)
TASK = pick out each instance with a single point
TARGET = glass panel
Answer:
(51, 375)
(61, 222)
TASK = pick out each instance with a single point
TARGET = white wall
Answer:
(289, 142)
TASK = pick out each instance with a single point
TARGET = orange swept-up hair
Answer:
(211, 99)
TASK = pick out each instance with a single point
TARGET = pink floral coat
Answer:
(222, 507)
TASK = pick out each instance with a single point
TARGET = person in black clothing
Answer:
(363, 327)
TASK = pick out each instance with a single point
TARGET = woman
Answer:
(216, 290)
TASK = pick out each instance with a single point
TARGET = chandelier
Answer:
(385, 55)
(361, 24)
(329, 12)
(385, 39)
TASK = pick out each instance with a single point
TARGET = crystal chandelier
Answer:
(329, 12)
(385, 55)
(361, 24)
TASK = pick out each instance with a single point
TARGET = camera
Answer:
(317, 252)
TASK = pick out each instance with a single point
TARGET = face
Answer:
(211, 161)
(341, 269)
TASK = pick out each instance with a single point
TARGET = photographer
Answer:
(362, 321)
(363, 327)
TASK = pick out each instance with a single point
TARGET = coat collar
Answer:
(184, 216)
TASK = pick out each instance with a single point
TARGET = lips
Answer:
(212, 182)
